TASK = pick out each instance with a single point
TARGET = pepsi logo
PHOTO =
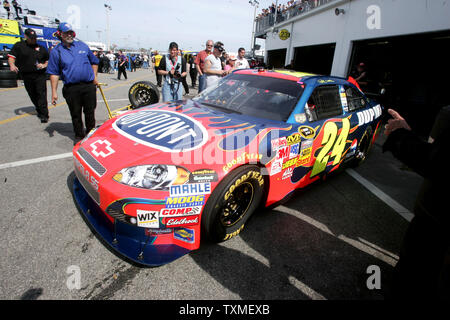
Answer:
(167, 131)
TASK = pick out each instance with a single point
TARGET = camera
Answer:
(177, 73)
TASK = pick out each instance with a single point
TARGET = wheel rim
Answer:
(237, 204)
(143, 96)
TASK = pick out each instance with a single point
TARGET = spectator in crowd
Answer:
(30, 60)
(17, 8)
(74, 63)
(173, 68)
(145, 59)
(7, 7)
(156, 59)
(193, 69)
(423, 270)
(213, 66)
(133, 63)
(184, 79)
(230, 63)
(200, 62)
(122, 65)
(241, 62)
(112, 59)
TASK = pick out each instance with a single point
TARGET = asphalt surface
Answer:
(317, 245)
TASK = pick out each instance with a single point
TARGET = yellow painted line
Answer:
(63, 103)
(10, 89)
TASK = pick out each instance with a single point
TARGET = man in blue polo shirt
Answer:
(76, 65)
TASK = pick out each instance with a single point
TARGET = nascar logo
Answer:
(167, 131)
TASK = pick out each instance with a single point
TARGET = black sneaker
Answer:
(44, 120)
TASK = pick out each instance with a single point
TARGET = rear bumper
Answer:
(127, 240)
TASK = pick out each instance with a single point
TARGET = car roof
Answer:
(289, 75)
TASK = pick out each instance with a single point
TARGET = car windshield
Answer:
(253, 95)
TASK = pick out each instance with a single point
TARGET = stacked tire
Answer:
(8, 79)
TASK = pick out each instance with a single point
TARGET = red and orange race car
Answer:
(153, 180)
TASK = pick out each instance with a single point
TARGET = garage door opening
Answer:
(414, 71)
(314, 59)
(276, 58)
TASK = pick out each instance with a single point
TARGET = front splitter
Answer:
(129, 241)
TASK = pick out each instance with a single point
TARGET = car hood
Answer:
(177, 133)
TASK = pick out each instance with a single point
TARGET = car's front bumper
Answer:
(127, 240)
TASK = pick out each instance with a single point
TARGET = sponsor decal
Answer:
(180, 212)
(168, 131)
(294, 139)
(289, 163)
(307, 132)
(102, 148)
(288, 173)
(186, 201)
(283, 153)
(181, 221)
(183, 234)
(369, 115)
(242, 159)
(352, 149)
(147, 219)
(300, 118)
(204, 175)
(277, 143)
(277, 166)
(295, 148)
(305, 153)
(157, 232)
(190, 189)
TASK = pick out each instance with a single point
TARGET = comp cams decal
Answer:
(164, 130)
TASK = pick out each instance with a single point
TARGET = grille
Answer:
(92, 162)
(87, 186)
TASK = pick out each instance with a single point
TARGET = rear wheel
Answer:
(143, 93)
(233, 201)
(363, 149)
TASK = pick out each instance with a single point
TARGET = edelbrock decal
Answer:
(167, 131)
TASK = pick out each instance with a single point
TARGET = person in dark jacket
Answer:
(423, 270)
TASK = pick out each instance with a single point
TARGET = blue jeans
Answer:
(172, 92)
(201, 83)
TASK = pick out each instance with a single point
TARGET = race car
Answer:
(153, 181)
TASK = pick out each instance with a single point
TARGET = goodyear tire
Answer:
(4, 65)
(7, 75)
(8, 83)
(143, 93)
(233, 201)
(363, 148)
(3, 55)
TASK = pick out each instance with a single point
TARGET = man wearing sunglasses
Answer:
(200, 62)
(77, 66)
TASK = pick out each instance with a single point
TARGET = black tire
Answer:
(3, 55)
(143, 93)
(233, 201)
(8, 83)
(4, 64)
(363, 148)
(7, 75)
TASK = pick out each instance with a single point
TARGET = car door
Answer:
(330, 129)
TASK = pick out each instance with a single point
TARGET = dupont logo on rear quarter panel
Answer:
(167, 131)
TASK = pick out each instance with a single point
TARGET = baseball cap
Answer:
(65, 27)
(232, 56)
(30, 33)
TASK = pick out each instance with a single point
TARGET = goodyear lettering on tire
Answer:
(251, 174)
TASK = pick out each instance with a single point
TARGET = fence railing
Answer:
(262, 23)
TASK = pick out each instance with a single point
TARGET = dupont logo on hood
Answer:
(167, 131)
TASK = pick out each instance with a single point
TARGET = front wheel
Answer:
(233, 201)
(143, 93)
